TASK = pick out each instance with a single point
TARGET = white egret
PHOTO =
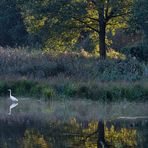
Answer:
(11, 97)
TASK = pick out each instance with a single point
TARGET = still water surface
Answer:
(73, 124)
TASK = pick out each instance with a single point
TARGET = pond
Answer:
(73, 124)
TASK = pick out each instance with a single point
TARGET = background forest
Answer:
(74, 25)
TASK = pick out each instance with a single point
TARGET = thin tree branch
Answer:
(122, 14)
(109, 16)
(117, 15)
(94, 19)
(87, 25)
(107, 7)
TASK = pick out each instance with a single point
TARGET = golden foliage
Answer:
(122, 137)
(115, 55)
(34, 139)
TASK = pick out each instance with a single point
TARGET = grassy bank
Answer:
(38, 65)
(112, 91)
(71, 75)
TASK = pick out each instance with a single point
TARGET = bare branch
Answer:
(107, 7)
(94, 19)
(87, 25)
(109, 16)
(117, 15)
(121, 14)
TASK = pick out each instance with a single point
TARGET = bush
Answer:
(27, 88)
(48, 92)
(3, 88)
(21, 87)
(94, 91)
(140, 51)
(42, 91)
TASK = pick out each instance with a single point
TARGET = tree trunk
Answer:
(101, 136)
(102, 32)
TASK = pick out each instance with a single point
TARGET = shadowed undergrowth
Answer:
(70, 89)
(44, 65)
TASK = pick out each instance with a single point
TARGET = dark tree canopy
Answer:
(139, 19)
(12, 28)
(66, 20)
(69, 25)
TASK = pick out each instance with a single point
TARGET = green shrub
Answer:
(40, 90)
(27, 88)
(23, 86)
(36, 91)
(83, 91)
(48, 92)
(94, 91)
(109, 93)
(140, 51)
(129, 69)
(70, 90)
(3, 88)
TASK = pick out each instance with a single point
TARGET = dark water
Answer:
(73, 124)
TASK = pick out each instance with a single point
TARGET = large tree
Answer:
(68, 19)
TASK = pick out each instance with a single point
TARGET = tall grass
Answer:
(15, 62)
(65, 75)
(71, 89)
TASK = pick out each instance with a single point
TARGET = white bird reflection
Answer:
(13, 105)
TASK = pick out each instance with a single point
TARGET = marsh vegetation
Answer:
(73, 124)
(79, 69)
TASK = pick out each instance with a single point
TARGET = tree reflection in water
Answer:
(26, 132)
